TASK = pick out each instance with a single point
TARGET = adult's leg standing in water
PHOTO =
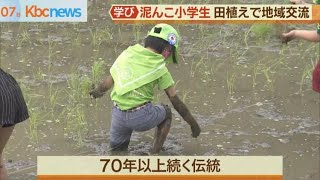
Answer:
(13, 110)
(5, 133)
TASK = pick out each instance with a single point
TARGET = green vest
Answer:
(135, 67)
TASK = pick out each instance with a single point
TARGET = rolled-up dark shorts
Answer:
(124, 123)
(316, 78)
(13, 108)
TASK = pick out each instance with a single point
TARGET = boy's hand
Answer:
(195, 128)
(96, 93)
(287, 36)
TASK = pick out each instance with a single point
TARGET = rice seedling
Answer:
(202, 29)
(76, 42)
(39, 75)
(98, 36)
(194, 66)
(80, 86)
(246, 35)
(24, 37)
(95, 39)
(34, 122)
(269, 81)
(51, 53)
(185, 94)
(120, 32)
(97, 71)
(230, 82)
(85, 86)
(74, 85)
(137, 32)
(109, 33)
(256, 70)
(53, 96)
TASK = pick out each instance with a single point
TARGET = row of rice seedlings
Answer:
(311, 52)
(267, 69)
(73, 113)
(306, 76)
(80, 86)
(99, 36)
(35, 112)
(306, 53)
(76, 123)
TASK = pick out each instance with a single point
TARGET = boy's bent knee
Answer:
(168, 112)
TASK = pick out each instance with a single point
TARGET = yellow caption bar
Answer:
(156, 166)
(215, 13)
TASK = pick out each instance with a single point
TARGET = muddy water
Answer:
(250, 94)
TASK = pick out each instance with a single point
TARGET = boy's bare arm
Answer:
(102, 88)
(308, 35)
(182, 109)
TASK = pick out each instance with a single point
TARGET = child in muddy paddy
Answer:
(134, 75)
(13, 110)
(313, 36)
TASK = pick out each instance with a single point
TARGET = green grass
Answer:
(261, 30)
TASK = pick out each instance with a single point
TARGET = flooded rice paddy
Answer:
(250, 94)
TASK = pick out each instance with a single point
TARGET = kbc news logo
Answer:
(36, 11)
